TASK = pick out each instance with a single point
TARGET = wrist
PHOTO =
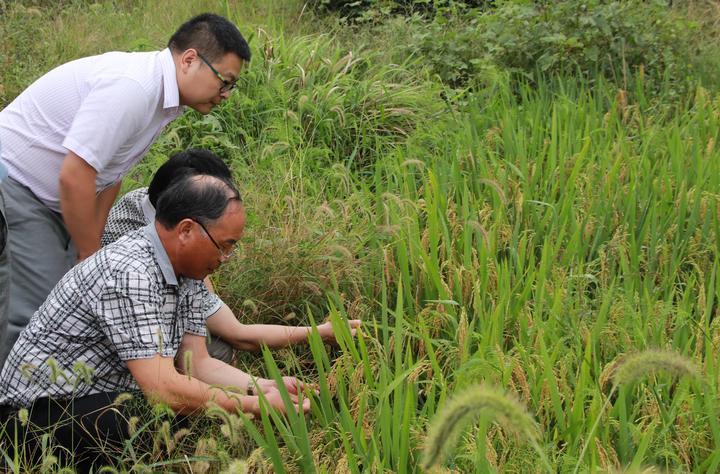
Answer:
(250, 388)
(257, 385)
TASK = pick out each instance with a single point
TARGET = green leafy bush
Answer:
(369, 9)
(614, 40)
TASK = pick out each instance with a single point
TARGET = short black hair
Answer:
(201, 198)
(192, 161)
(212, 35)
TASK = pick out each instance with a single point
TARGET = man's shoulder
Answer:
(126, 72)
(125, 216)
(132, 198)
(132, 252)
(126, 262)
(112, 62)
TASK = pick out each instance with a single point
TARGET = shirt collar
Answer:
(147, 209)
(171, 93)
(160, 253)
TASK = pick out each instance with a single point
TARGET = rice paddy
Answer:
(536, 265)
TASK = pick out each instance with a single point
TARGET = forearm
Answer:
(187, 395)
(253, 336)
(201, 371)
(159, 380)
(215, 372)
(79, 210)
(79, 205)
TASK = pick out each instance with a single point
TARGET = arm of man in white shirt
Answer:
(83, 210)
(251, 337)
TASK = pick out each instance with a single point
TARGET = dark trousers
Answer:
(87, 431)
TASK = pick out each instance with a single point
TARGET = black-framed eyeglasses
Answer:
(224, 253)
(227, 86)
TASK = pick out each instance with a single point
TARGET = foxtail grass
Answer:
(644, 364)
(633, 368)
(472, 402)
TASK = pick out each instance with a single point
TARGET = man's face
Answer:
(211, 245)
(200, 86)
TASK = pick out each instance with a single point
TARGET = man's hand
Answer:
(292, 384)
(327, 334)
(274, 399)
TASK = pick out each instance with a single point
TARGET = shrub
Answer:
(367, 9)
(615, 40)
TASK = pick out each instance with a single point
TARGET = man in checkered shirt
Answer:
(137, 208)
(133, 314)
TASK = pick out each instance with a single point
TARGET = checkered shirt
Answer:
(121, 304)
(131, 212)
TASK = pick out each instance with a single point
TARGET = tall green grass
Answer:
(526, 239)
(526, 244)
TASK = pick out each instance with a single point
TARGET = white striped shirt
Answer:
(107, 109)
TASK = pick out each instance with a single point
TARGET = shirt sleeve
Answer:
(109, 116)
(130, 316)
(203, 304)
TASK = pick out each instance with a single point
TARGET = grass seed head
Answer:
(238, 466)
(48, 462)
(476, 400)
(107, 470)
(642, 364)
(122, 398)
(23, 416)
(132, 425)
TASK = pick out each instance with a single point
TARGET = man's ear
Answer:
(187, 58)
(184, 230)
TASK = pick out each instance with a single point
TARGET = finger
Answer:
(306, 387)
(298, 387)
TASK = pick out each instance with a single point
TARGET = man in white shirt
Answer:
(71, 136)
